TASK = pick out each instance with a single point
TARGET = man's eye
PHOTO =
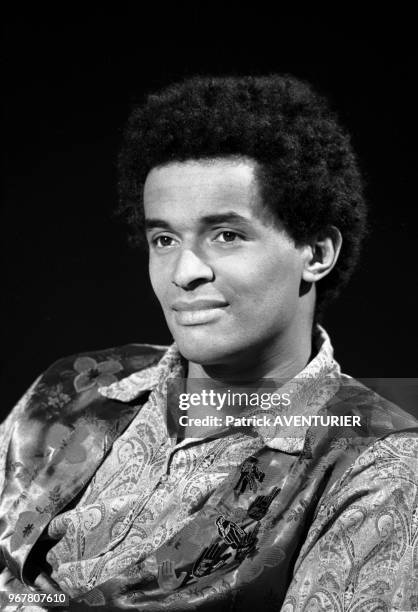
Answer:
(162, 241)
(227, 236)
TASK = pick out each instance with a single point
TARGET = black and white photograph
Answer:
(210, 390)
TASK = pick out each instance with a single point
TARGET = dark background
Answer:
(71, 283)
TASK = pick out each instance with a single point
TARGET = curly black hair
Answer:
(308, 174)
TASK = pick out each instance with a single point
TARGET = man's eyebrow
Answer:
(227, 217)
(152, 223)
(216, 219)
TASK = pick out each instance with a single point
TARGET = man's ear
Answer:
(321, 255)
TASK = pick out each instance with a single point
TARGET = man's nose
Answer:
(190, 269)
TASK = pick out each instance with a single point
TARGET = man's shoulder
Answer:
(71, 383)
(101, 367)
(378, 415)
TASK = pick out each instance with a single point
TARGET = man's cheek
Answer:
(164, 305)
(159, 283)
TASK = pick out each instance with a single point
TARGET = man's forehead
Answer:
(202, 179)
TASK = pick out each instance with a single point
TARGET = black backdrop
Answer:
(70, 282)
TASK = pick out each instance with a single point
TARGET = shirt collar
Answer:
(311, 389)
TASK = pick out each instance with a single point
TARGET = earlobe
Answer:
(322, 255)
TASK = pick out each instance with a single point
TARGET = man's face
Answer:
(226, 276)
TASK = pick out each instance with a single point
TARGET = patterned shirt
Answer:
(280, 519)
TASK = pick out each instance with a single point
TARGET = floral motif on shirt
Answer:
(92, 373)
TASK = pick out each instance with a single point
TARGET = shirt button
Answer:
(164, 478)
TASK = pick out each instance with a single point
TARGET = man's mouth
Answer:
(198, 312)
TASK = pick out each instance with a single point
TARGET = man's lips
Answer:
(199, 311)
(200, 304)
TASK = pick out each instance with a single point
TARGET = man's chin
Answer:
(202, 355)
(204, 351)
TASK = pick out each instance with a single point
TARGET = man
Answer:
(251, 203)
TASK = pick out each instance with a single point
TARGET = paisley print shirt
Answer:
(104, 503)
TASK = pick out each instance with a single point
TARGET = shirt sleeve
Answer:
(7, 426)
(361, 552)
